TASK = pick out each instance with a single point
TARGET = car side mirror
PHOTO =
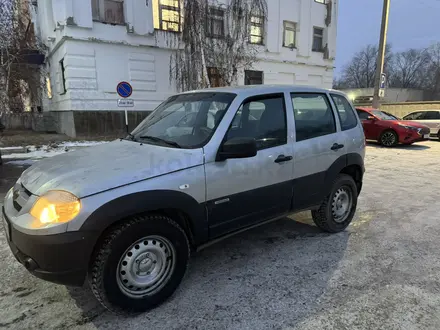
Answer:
(371, 118)
(239, 147)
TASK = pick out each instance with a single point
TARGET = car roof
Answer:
(424, 110)
(251, 90)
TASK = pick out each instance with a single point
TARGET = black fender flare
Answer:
(340, 164)
(149, 201)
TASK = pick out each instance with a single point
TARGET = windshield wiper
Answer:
(156, 139)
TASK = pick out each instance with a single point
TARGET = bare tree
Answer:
(360, 72)
(19, 56)
(431, 74)
(408, 68)
(205, 47)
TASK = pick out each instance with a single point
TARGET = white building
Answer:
(87, 57)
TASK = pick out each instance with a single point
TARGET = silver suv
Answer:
(202, 166)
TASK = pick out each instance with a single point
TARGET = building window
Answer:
(257, 30)
(216, 23)
(167, 15)
(215, 78)
(48, 88)
(318, 35)
(108, 11)
(63, 88)
(289, 34)
(253, 77)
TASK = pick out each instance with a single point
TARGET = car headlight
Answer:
(54, 207)
(409, 127)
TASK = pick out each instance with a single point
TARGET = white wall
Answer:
(97, 56)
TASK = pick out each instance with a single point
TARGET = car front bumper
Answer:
(412, 136)
(59, 258)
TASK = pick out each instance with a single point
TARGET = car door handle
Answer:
(337, 146)
(282, 159)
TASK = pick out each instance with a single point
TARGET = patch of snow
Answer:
(81, 143)
(46, 151)
(36, 154)
(9, 148)
(22, 162)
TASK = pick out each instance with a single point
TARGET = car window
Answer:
(345, 112)
(313, 116)
(269, 128)
(363, 115)
(432, 115)
(415, 116)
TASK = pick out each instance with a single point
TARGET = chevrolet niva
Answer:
(204, 165)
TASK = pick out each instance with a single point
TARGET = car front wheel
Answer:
(338, 208)
(389, 139)
(139, 264)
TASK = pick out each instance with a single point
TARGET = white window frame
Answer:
(98, 11)
(260, 25)
(318, 36)
(291, 28)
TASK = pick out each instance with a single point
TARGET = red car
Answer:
(389, 130)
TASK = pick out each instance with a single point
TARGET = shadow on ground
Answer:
(414, 146)
(270, 276)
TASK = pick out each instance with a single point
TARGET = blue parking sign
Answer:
(124, 89)
(383, 79)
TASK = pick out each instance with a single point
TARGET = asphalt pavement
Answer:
(381, 273)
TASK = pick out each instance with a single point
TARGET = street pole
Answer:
(381, 53)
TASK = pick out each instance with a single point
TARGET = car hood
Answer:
(410, 123)
(94, 169)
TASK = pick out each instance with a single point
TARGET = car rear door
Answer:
(351, 129)
(318, 146)
(242, 192)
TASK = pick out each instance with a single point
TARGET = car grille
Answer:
(20, 196)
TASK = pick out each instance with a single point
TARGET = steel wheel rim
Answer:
(341, 204)
(388, 139)
(146, 266)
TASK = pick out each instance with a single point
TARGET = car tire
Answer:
(389, 138)
(331, 215)
(139, 264)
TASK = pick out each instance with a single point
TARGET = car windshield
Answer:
(185, 120)
(382, 116)
(391, 115)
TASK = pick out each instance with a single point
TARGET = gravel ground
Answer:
(382, 273)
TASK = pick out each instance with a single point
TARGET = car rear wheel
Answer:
(389, 138)
(139, 264)
(337, 210)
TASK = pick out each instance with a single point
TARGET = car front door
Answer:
(367, 124)
(318, 146)
(242, 192)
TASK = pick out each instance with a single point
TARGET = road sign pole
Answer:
(126, 120)
(124, 90)
(381, 53)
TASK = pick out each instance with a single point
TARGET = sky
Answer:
(412, 24)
